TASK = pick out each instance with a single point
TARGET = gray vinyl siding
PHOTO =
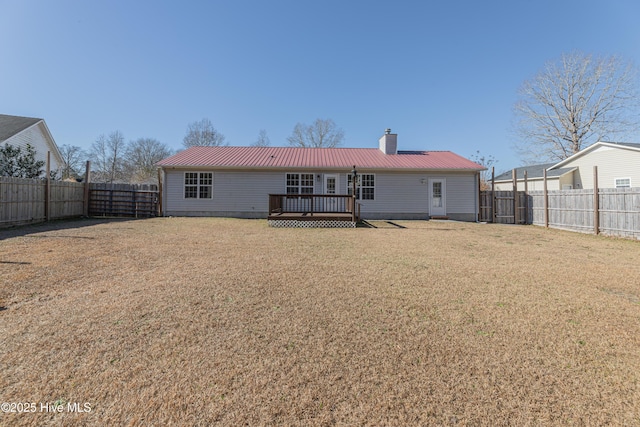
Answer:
(235, 193)
(399, 195)
(245, 194)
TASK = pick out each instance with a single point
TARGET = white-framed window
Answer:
(623, 182)
(365, 186)
(198, 185)
(299, 183)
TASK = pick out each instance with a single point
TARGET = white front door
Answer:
(437, 197)
(330, 187)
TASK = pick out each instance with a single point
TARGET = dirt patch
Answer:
(221, 321)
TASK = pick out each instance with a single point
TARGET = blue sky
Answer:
(443, 75)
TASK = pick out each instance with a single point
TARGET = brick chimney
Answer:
(389, 142)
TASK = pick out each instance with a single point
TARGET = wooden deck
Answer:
(308, 216)
(313, 207)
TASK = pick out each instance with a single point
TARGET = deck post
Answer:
(353, 209)
(353, 201)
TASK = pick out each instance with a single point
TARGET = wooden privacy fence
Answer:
(130, 200)
(502, 207)
(24, 201)
(611, 211)
(614, 212)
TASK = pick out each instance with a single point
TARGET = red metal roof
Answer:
(316, 158)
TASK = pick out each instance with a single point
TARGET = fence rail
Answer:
(130, 203)
(314, 204)
(24, 201)
(616, 212)
(499, 207)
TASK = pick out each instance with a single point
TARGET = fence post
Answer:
(546, 198)
(526, 198)
(47, 190)
(596, 203)
(160, 192)
(514, 178)
(493, 194)
(135, 204)
(87, 181)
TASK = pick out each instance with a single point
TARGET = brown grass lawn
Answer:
(175, 321)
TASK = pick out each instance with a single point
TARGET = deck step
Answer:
(438, 217)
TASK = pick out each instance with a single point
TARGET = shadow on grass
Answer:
(379, 224)
(57, 225)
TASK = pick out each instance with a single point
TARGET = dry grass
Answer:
(175, 321)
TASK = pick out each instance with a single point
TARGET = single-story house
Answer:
(20, 131)
(618, 167)
(391, 184)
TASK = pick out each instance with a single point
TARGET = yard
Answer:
(223, 321)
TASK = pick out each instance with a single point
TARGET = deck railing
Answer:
(311, 204)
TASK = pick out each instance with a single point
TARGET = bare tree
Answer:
(73, 158)
(573, 103)
(202, 133)
(323, 133)
(263, 140)
(108, 157)
(487, 161)
(141, 158)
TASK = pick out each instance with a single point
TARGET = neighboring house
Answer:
(237, 181)
(618, 166)
(20, 131)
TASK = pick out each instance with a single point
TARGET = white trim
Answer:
(615, 182)
(56, 150)
(349, 185)
(197, 185)
(324, 182)
(591, 148)
(300, 186)
(443, 209)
